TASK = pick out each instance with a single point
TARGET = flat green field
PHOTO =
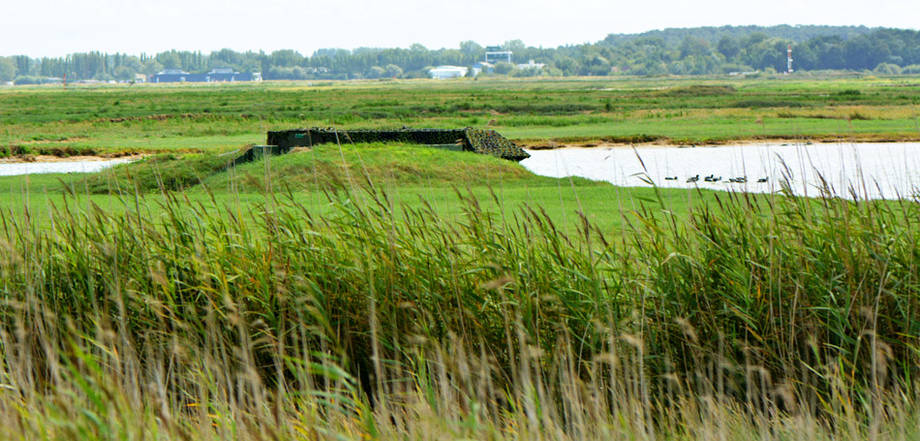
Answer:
(220, 117)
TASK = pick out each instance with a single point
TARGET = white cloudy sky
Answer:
(58, 27)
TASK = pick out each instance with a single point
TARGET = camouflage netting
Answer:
(474, 140)
(490, 142)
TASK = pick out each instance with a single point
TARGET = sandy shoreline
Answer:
(619, 145)
(51, 159)
(739, 143)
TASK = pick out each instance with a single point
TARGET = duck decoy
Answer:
(762, 180)
(670, 178)
(693, 179)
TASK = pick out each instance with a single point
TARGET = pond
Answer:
(868, 170)
(84, 166)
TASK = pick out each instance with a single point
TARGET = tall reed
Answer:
(766, 316)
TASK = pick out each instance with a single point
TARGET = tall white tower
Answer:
(789, 59)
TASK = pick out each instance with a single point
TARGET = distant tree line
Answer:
(691, 51)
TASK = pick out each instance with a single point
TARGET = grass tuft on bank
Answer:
(169, 172)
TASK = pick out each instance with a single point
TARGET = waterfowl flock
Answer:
(714, 178)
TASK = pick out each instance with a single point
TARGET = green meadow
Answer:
(391, 291)
(141, 118)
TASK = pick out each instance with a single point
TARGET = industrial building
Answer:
(494, 54)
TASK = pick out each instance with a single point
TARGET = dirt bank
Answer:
(533, 144)
(51, 158)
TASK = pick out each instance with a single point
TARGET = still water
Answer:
(27, 168)
(871, 170)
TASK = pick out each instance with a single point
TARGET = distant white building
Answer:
(7, 83)
(482, 66)
(445, 72)
(531, 65)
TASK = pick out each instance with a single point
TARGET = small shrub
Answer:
(848, 92)
(887, 69)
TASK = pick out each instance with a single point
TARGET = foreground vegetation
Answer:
(745, 317)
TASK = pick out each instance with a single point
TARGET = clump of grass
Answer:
(855, 115)
(762, 103)
(788, 115)
(848, 93)
(628, 139)
(701, 90)
(68, 151)
(59, 151)
(552, 121)
(14, 150)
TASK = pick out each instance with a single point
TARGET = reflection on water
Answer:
(873, 170)
(27, 168)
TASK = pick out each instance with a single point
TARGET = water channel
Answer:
(871, 170)
(868, 170)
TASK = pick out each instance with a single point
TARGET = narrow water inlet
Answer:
(85, 166)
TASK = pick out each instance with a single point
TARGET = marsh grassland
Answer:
(196, 118)
(382, 291)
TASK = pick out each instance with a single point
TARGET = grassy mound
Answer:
(382, 164)
(328, 166)
(318, 167)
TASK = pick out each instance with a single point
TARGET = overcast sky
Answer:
(58, 27)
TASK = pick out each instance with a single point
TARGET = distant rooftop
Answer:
(531, 65)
